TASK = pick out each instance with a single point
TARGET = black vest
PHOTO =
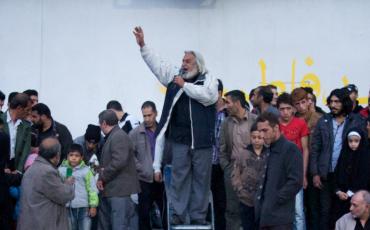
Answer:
(191, 122)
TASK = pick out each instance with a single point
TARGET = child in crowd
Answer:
(83, 207)
(247, 176)
(352, 172)
(34, 151)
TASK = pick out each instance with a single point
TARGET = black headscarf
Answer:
(353, 167)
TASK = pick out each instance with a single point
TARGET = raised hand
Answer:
(139, 35)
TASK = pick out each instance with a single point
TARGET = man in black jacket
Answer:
(326, 145)
(283, 178)
(48, 127)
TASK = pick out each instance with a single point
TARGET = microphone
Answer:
(182, 72)
(69, 172)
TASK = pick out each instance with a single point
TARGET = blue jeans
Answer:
(300, 219)
(79, 219)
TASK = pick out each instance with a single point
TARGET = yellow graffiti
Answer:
(263, 71)
(309, 61)
(293, 73)
(311, 80)
(162, 89)
(280, 85)
(308, 80)
(345, 80)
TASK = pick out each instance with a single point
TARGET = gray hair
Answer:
(49, 148)
(199, 60)
(365, 195)
(109, 116)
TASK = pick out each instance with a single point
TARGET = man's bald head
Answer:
(360, 204)
(49, 148)
(362, 195)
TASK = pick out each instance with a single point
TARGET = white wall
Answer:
(79, 54)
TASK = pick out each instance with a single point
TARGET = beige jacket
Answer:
(227, 157)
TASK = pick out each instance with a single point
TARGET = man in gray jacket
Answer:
(143, 138)
(44, 196)
(117, 177)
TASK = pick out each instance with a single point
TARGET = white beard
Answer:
(191, 74)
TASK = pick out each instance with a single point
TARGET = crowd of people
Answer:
(274, 161)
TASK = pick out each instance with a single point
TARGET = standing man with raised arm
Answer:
(187, 121)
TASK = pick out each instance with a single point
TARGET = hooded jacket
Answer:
(86, 193)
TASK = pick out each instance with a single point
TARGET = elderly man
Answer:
(359, 215)
(187, 121)
(44, 195)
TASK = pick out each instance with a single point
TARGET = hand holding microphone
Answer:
(179, 80)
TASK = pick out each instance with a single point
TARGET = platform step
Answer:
(188, 227)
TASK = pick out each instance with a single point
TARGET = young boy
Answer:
(83, 207)
(295, 130)
(247, 176)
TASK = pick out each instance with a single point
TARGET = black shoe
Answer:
(176, 220)
(198, 222)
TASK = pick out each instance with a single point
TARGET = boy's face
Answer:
(257, 138)
(302, 106)
(286, 112)
(74, 158)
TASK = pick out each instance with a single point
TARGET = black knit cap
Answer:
(352, 88)
(93, 133)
